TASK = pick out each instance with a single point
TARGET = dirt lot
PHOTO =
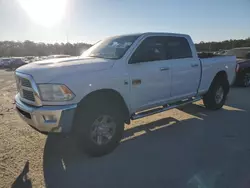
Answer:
(179, 148)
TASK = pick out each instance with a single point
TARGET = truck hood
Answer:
(46, 70)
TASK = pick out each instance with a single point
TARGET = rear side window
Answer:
(177, 48)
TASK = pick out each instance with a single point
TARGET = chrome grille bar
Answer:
(27, 89)
(29, 95)
(26, 83)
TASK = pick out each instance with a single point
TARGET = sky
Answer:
(88, 21)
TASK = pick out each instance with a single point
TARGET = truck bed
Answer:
(213, 64)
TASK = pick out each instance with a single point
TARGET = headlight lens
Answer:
(55, 92)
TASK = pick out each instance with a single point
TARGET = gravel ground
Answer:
(183, 147)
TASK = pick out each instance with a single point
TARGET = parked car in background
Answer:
(16, 62)
(36, 59)
(28, 59)
(243, 65)
(57, 56)
(118, 79)
(220, 52)
(5, 62)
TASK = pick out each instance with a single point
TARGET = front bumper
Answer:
(47, 118)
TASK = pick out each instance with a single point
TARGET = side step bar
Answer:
(164, 108)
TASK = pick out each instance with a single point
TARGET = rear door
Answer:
(186, 70)
(150, 74)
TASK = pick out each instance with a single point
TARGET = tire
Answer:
(212, 99)
(90, 115)
(243, 79)
(246, 80)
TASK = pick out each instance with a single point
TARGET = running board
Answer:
(164, 108)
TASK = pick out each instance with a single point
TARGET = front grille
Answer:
(25, 82)
(29, 95)
(27, 89)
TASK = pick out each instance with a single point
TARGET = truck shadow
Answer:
(205, 150)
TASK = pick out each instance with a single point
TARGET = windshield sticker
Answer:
(121, 45)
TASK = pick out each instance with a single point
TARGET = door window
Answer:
(151, 49)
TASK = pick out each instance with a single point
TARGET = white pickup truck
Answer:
(119, 79)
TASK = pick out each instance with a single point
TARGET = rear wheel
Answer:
(216, 96)
(98, 128)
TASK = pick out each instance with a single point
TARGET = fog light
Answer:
(50, 118)
(56, 129)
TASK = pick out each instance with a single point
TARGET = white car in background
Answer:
(58, 56)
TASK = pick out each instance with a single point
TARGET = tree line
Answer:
(224, 45)
(29, 48)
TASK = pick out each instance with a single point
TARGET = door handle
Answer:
(194, 65)
(164, 68)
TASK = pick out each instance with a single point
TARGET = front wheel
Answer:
(98, 129)
(215, 98)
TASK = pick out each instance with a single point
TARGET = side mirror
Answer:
(133, 59)
(138, 57)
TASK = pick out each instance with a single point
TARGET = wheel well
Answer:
(222, 75)
(111, 96)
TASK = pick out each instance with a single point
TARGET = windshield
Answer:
(111, 48)
(239, 53)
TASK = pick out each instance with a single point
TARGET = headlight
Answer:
(55, 92)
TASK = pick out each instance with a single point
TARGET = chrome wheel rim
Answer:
(247, 80)
(219, 95)
(103, 129)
